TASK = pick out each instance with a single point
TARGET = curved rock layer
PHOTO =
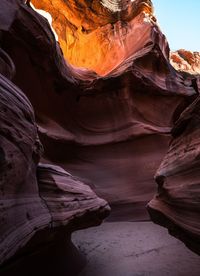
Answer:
(38, 204)
(102, 129)
(95, 32)
(177, 203)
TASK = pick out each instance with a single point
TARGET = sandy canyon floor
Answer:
(134, 249)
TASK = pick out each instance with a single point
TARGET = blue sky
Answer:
(180, 22)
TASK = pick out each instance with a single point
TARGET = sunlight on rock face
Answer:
(98, 35)
(47, 15)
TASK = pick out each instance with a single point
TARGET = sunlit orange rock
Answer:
(97, 38)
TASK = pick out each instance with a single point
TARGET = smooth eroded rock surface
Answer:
(39, 204)
(95, 32)
(177, 204)
(106, 98)
(102, 129)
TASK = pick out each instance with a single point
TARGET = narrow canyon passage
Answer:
(122, 173)
(99, 140)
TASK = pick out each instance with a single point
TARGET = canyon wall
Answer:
(111, 131)
(106, 99)
(40, 204)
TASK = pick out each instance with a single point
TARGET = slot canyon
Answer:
(99, 142)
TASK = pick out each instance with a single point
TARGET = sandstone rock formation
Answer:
(105, 111)
(40, 205)
(177, 203)
(102, 129)
(95, 32)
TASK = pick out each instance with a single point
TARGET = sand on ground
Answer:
(134, 249)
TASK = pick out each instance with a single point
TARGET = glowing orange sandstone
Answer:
(94, 36)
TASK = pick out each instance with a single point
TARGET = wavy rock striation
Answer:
(177, 204)
(106, 101)
(102, 129)
(95, 32)
(40, 205)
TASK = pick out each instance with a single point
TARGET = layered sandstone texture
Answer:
(92, 33)
(177, 203)
(108, 130)
(105, 95)
(40, 205)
